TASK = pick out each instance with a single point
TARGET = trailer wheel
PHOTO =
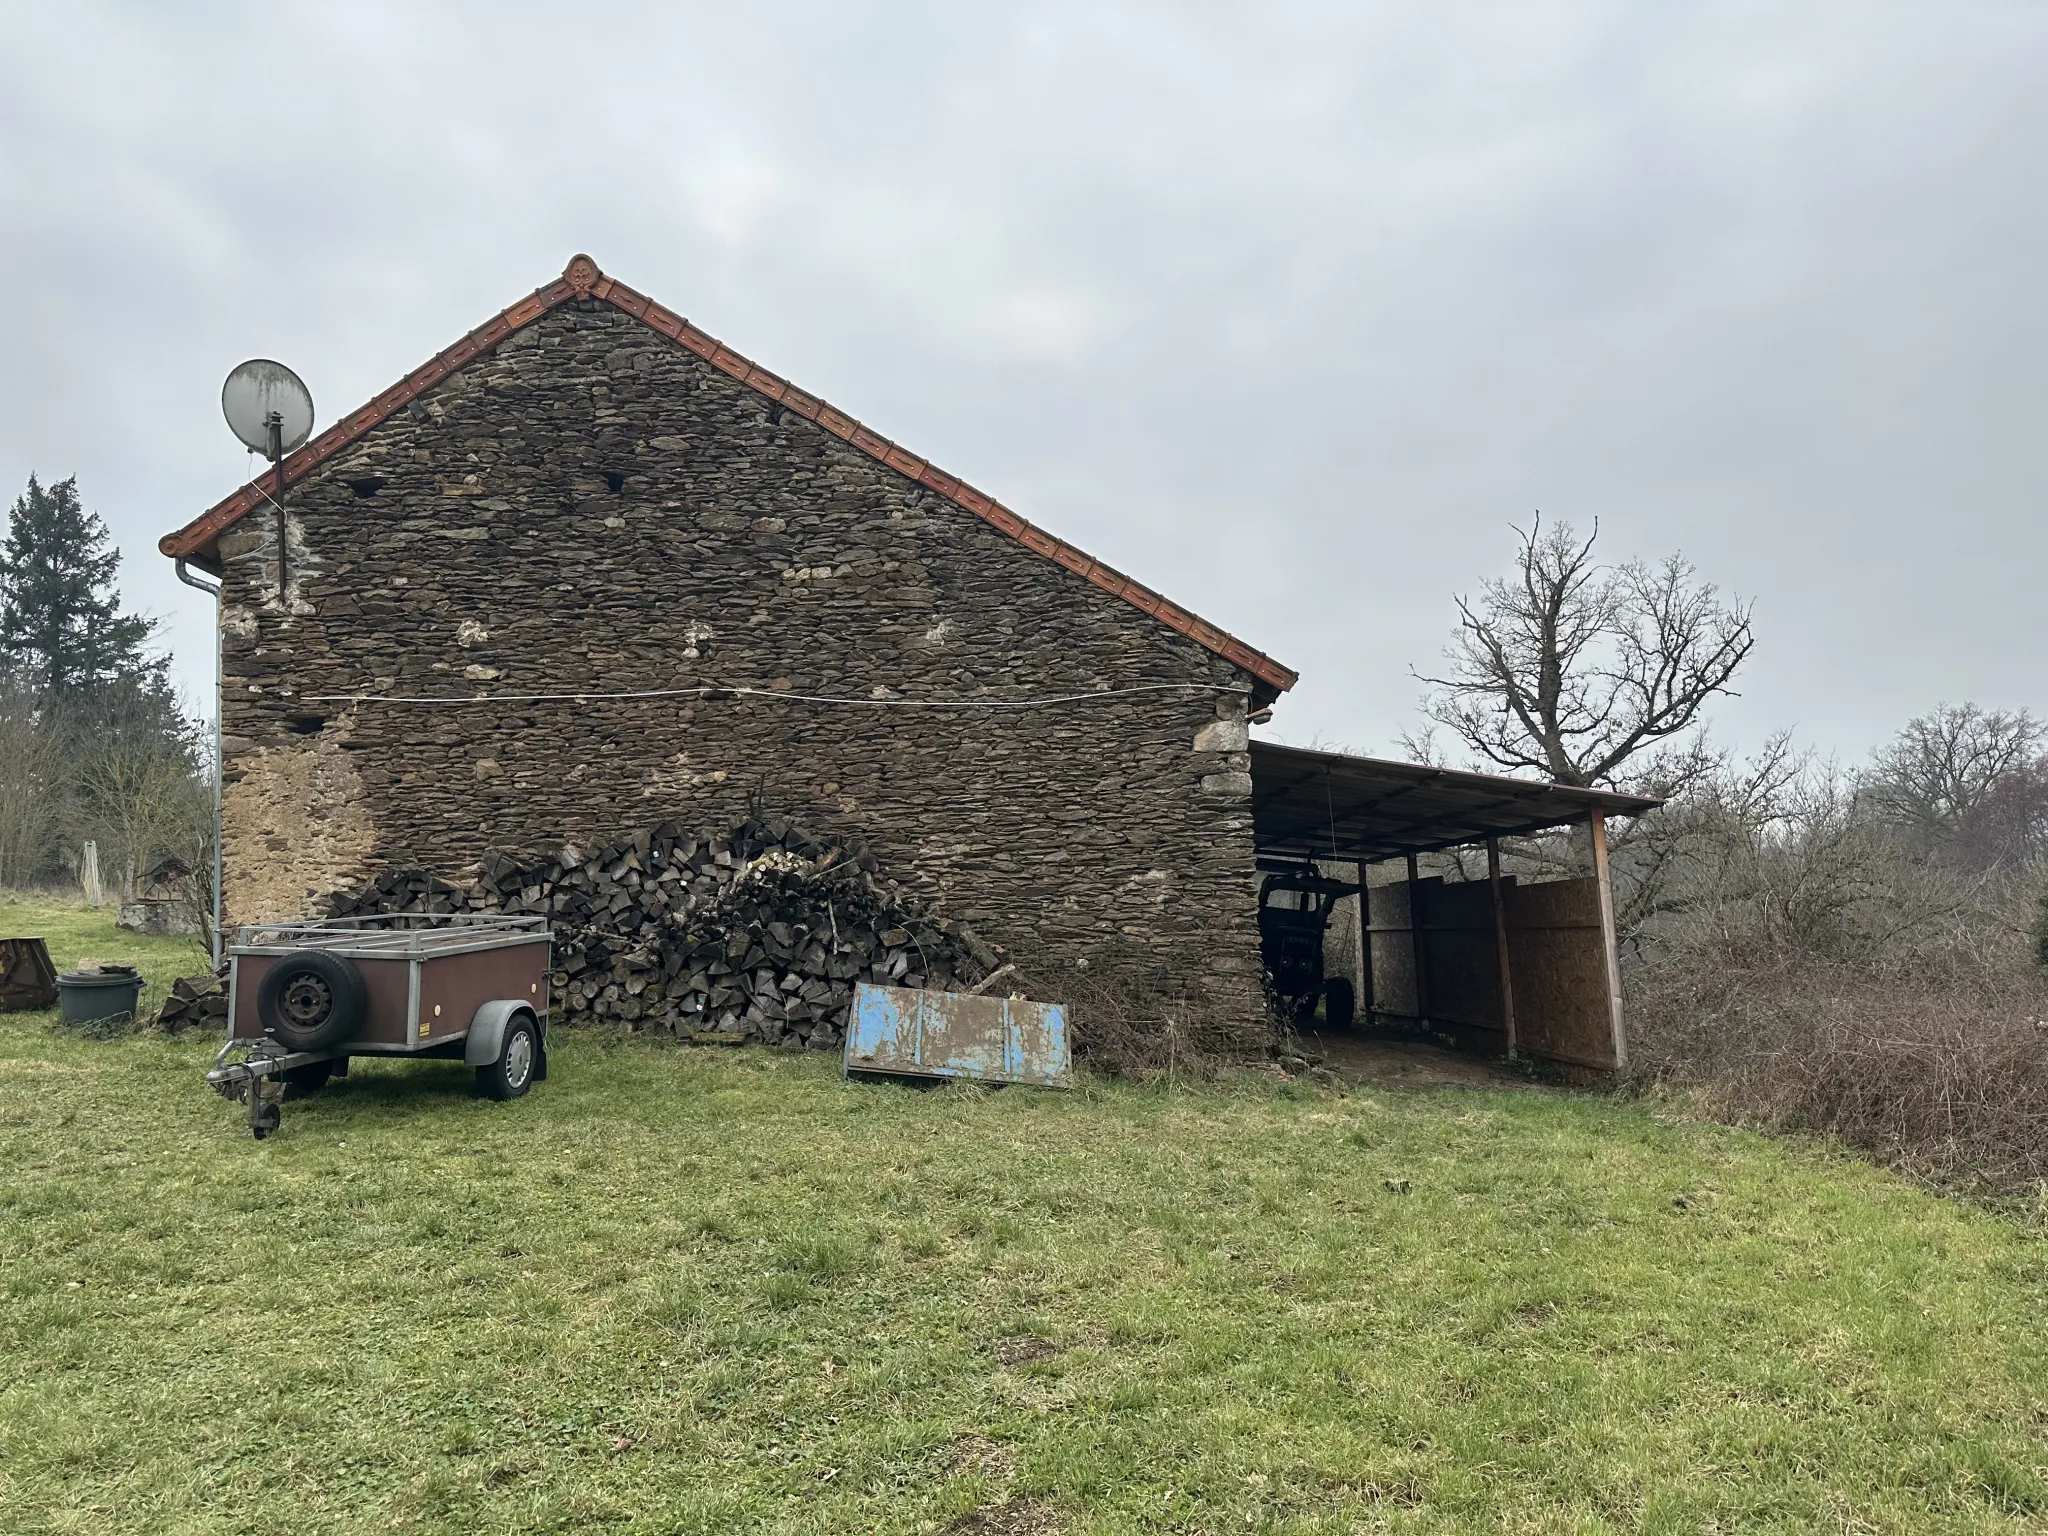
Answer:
(311, 999)
(518, 1061)
(1340, 1002)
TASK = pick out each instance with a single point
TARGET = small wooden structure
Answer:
(1520, 969)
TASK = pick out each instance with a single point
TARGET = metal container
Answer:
(954, 1034)
(89, 996)
(27, 979)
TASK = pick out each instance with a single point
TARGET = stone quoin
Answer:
(589, 498)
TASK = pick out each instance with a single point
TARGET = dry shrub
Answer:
(1948, 1084)
(1817, 976)
(1132, 1017)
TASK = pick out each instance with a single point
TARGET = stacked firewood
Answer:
(756, 933)
(194, 1002)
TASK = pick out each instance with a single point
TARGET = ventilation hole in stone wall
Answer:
(616, 482)
(366, 487)
(304, 725)
(775, 414)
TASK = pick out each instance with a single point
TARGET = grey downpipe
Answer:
(219, 766)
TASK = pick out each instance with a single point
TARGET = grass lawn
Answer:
(691, 1290)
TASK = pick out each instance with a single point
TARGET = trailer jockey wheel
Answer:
(311, 1000)
(264, 1113)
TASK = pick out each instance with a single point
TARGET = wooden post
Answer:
(1500, 942)
(1603, 882)
(1415, 940)
(1364, 948)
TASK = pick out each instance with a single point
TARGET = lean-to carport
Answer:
(1531, 968)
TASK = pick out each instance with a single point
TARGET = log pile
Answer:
(759, 933)
(194, 1002)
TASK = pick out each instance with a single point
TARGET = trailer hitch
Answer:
(257, 1080)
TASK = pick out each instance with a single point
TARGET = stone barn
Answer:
(590, 569)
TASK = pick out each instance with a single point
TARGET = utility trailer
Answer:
(303, 998)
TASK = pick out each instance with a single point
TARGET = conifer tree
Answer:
(62, 631)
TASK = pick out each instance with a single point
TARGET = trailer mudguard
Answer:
(487, 1033)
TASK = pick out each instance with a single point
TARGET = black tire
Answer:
(311, 1078)
(518, 1061)
(310, 1000)
(1340, 1002)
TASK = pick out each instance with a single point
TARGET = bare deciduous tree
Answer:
(1578, 670)
(1689, 852)
(142, 790)
(1954, 765)
(1806, 972)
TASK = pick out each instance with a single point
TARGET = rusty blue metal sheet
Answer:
(949, 1034)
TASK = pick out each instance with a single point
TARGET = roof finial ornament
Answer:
(582, 274)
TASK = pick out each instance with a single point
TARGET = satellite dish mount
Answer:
(270, 410)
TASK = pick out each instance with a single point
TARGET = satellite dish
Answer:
(267, 407)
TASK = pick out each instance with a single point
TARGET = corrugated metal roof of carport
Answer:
(1335, 805)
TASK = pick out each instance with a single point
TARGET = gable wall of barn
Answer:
(590, 509)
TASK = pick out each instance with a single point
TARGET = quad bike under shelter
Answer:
(1294, 914)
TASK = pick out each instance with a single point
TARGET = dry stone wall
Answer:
(590, 509)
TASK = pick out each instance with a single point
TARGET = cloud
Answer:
(1289, 310)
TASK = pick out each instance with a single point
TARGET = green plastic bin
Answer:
(87, 996)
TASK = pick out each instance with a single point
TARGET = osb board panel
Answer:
(1557, 958)
(1393, 957)
(1393, 974)
(1340, 937)
(296, 825)
(1459, 948)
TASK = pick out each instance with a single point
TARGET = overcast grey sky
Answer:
(1287, 309)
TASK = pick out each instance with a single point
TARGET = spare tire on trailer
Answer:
(311, 1000)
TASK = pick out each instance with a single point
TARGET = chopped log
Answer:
(194, 1002)
(756, 932)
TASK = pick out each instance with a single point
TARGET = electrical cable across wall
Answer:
(713, 691)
